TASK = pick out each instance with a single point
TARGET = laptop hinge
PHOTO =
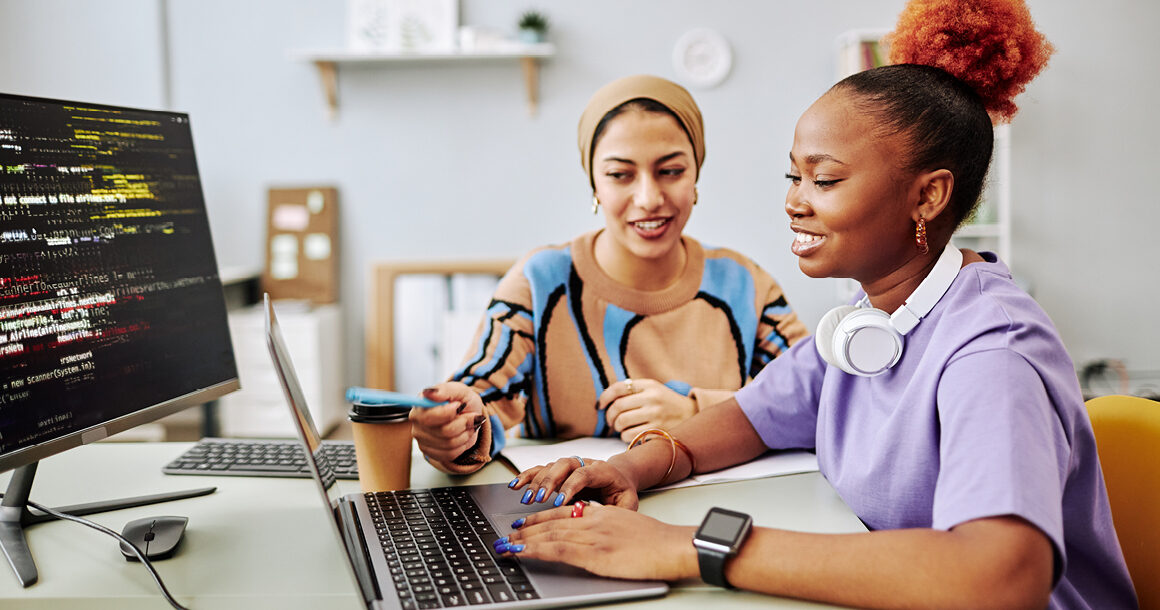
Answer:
(356, 547)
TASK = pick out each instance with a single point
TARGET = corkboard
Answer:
(302, 244)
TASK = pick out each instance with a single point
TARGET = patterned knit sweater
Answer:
(559, 331)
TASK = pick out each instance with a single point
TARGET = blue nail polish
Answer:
(527, 497)
(515, 548)
(501, 549)
(559, 499)
(518, 523)
(540, 494)
(514, 481)
(503, 540)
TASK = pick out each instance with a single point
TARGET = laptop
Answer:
(432, 548)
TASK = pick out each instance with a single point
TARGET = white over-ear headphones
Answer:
(866, 341)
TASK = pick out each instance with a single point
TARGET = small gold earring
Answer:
(696, 195)
(595, 204)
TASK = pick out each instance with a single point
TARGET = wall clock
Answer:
(702, 58)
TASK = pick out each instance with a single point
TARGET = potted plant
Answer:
(533, 26)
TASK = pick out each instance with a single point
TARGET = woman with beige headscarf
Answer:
(628, 327)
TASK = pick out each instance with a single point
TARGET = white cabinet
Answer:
(314, 338)
(422, 318)
(990, 228)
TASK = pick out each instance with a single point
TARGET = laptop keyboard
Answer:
(438, 546)
(260, 458)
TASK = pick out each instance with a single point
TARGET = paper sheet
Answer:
(769, 465)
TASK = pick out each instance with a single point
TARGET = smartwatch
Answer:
(719, 538)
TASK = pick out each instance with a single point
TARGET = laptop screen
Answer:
(320, 468)
(320, 463)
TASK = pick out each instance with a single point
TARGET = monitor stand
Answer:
(15, 516)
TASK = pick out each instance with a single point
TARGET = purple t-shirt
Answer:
(981, 417)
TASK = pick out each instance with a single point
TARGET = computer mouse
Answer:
(156, 537)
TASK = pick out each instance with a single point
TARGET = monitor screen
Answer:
(111, 308)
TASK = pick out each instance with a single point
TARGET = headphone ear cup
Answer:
(824, 337)
(866, 343)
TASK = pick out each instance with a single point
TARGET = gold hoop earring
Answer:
(920, 236)
(595, 204)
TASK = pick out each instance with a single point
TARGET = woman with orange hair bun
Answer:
(954, 427)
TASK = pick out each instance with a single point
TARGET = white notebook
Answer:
(772, 464)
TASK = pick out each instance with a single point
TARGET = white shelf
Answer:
(512, 51)
(328, 61)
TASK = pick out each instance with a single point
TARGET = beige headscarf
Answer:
(671, 95)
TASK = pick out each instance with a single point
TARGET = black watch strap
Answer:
(717, 539)
(713, 567)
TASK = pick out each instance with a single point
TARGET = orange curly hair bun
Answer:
(992, 45)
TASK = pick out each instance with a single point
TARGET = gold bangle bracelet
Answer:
(674, 444)
(688, 454)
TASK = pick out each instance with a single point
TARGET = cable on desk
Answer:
(1098, 369)
(136, 551)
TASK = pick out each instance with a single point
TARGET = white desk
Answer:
(264, 542)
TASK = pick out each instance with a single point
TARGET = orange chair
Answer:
(1127, 430)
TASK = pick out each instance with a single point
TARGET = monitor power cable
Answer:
(136, 551)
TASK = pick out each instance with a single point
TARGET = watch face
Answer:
(723, 527)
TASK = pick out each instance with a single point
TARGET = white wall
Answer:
(442, 160)
(108, 52)
(1086, 207)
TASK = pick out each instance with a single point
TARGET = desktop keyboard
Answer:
(438, 547)
(260, 458)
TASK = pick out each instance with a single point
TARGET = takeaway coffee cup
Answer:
(382, 444)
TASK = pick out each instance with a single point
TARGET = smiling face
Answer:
(645, 176)
(852, 206)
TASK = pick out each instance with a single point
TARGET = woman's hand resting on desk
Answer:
(634, 405)
(569, 477)
(445, 432)
(606, 540)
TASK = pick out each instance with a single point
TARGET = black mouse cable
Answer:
(136, 551)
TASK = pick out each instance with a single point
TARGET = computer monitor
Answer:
(111, 307)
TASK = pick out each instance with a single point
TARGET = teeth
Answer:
(805, 238)
(649, 225)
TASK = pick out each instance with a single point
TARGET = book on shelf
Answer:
(860, 50)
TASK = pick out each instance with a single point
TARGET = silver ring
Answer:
(582, 464)
(628, 383)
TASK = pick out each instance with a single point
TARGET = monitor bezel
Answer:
(34, 453)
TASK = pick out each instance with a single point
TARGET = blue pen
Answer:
(371, 396)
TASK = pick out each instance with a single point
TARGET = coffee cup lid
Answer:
(377, 413)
